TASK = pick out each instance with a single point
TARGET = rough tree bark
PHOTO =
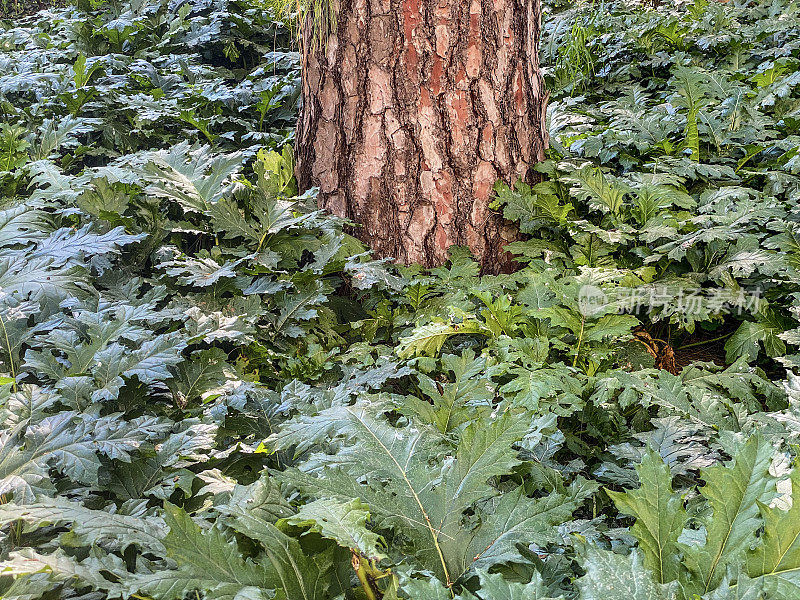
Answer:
(413, 109)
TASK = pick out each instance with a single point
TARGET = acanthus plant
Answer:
(209, 389)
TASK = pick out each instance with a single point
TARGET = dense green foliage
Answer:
(212, 391)
(17, 8)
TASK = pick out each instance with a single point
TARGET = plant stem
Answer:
(361, 573)
(580, 341)
(10, 356)
(703, 342)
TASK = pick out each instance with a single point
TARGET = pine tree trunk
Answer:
(412, 111)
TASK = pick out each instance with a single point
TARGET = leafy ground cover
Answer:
(212, 391)
(17, 8)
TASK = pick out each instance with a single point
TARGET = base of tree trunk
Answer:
(412, 110)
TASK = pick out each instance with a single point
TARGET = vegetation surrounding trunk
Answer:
(413, 110)
(209, 391)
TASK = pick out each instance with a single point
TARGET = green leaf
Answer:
(496, 587)
(207, 561)
(611, 576)
(21, 224)
(276, 172)
(104, 200)
(591, 185)
(66, 247)
(426, 588)
(512, 517)
(777, 558)
(745, 341)
(71, 443)
(261, 501)
(343, 522)
(660, 517)
(448, 405)
(294, 572)
(531, 207)
(59, 568)
(430, 515)
(733, 492)
(55, 134)
(427, 340)
(193, 177)
(193, 378)
(691, 134)
(39, 279)
(91, 526)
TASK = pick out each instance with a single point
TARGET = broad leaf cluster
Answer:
(210, 389)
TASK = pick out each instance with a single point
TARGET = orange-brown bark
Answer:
(412, 110)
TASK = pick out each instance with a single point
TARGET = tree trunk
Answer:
(412, 110)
